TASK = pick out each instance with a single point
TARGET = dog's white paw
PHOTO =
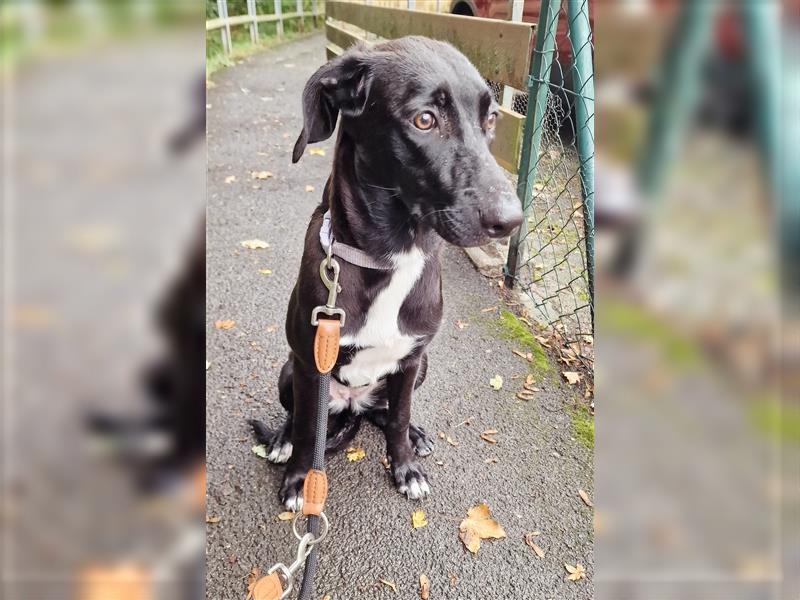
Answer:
(280, 453)
(411, 480)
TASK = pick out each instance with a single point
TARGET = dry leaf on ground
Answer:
(309, 188)
(260, 450)
(252, 578)
(260, 175)
(461, 324)
(265, 271)
(286, 515)
(224, 324)
(451, 441)
(525, 395)
(418, 519)
(316, 151)
(255, 244)
(575, 573)
(585, 497)
(230, 179)
(210, 519)
(529, 540)
(355, 454)
(491, 461)
(424, 587)
(496, 382)
(489, 309)
(572, 377)
(488, 436)
(479, 525)
(389, 584)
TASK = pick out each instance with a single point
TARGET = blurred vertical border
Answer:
(103, 284)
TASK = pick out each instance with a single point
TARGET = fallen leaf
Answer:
(309, 188)
(529, 540)
(487, 436)
(572, 377)
(210, 519)
(585, 497)
(230, 179)
(424, 587)
(489, 309)
(252, 578)
(260, 450)
(528, 356)
(461, 324)
(479, 525)
(525, 395)
(492, 460)
(355, 454)
(575, 573)
(224, 324)
(389, 584)
(316, 151)
(260, 175)
(529, 380)
(418, 519)
(286, 515)
(451, 441)
(441, 435)
(265, 271)
(255, 244)
(326, 597)
(496, 382)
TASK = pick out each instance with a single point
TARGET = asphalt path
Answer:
(253, 120)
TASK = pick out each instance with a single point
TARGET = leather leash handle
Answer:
(268, 588)
(326, 344)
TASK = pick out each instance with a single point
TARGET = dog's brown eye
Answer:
(425, 121)
(491, 121)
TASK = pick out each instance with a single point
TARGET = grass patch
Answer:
(511, 328)
(776, 420)
(631, 320)
(583, 426)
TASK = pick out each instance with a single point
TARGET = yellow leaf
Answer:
(309, 188)
(575, 573)
(255, 244)
(389, 584)
(479, 525)
(286, 515)
(265, 271)
(316, 152)
(224, 324)
(585, 497)
(418, 519)
(210, 519)
(260, 175)
(496, 382)
(572, 377)
(529, 540)
(230, 179)
(424, 587)
(355, 454)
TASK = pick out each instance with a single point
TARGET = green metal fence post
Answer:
(678, 82)
(580, 34)
(538, 88)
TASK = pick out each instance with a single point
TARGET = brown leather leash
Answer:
(279, 581)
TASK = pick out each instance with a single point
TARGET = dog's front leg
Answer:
(409, 478)
(305, 388)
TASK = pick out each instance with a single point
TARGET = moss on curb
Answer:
(583, 426)
(776, 420)
(511, 328)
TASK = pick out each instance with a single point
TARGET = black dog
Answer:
(412, 166)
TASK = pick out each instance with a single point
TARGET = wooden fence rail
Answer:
(500, 50)
(252, 19)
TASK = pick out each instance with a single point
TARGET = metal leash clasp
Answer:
(287, 573)
(333, 289)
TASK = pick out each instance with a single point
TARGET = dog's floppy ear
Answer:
(341, 85)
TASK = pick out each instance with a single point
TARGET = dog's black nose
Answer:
(501, 218)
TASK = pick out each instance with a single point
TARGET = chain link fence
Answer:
(551, 258)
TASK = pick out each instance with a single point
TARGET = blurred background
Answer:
(103, 297)
(696, 370)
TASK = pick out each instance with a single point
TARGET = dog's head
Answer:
(422, 119)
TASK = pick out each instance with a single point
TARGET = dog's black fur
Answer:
(395, 188)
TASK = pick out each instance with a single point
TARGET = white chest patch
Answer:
(382, 345)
